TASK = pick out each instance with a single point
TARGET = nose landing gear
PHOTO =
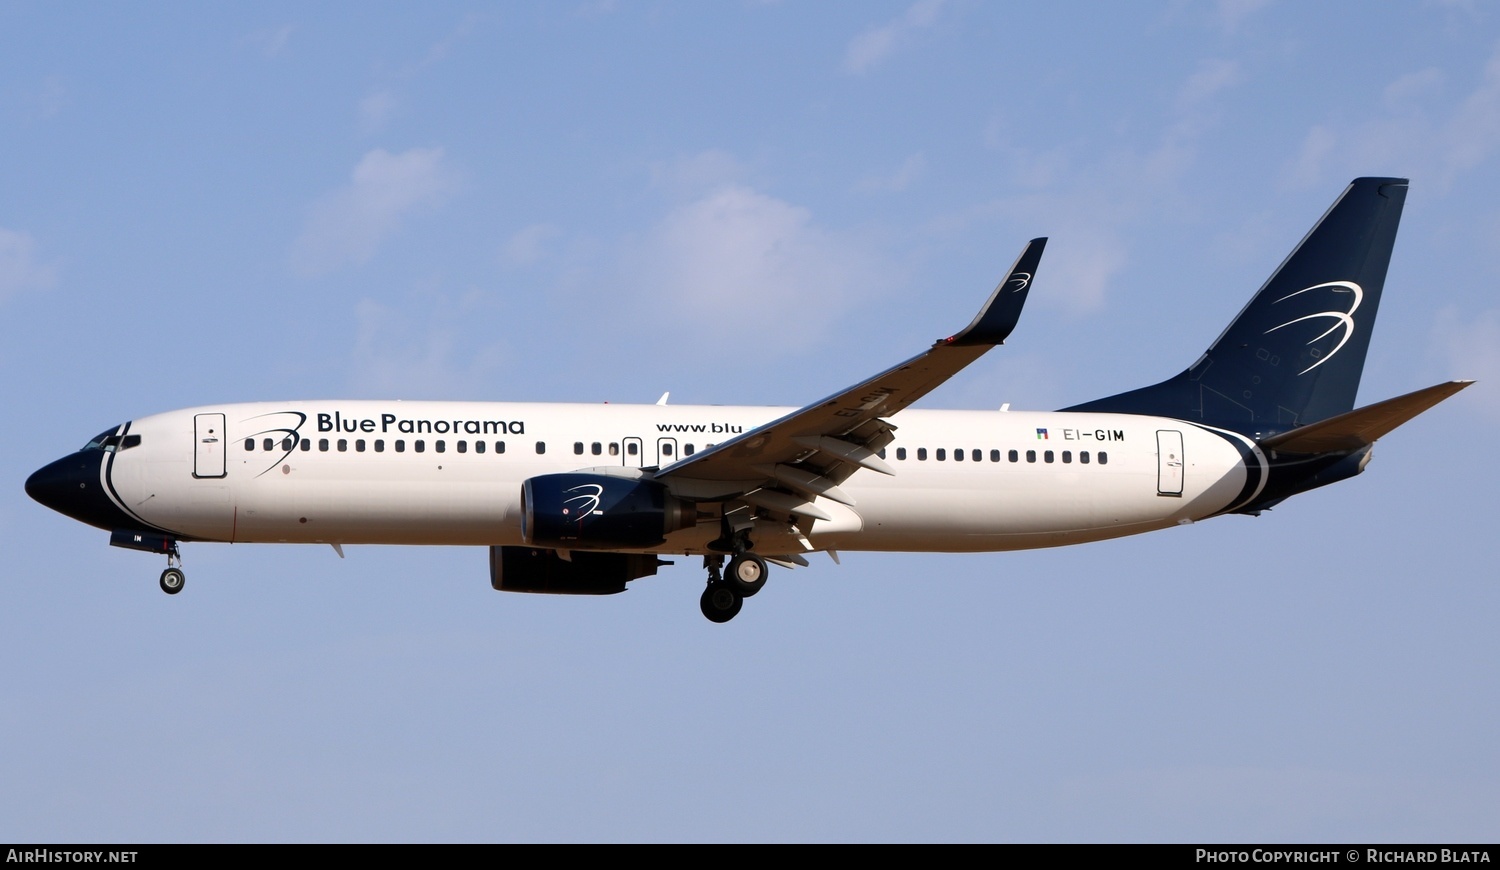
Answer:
(173, 579)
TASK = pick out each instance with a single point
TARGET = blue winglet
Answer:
(1003, 310)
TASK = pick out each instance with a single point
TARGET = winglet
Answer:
(1003, 310)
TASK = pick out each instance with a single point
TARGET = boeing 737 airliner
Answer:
(582, 499)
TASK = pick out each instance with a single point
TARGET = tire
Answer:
(747, 573)
(720, 602)
(172, 581)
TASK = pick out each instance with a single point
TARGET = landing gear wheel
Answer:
(747, 572)
(172, 581)
(720, 603)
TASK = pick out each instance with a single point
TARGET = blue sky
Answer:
(742, 203)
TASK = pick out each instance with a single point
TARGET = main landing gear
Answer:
(173, 579)
(727, 591)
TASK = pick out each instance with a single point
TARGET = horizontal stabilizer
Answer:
(1360, 428)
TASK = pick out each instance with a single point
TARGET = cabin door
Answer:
(209, 445)
(1169, 462)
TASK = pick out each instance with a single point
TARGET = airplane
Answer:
(584, 498)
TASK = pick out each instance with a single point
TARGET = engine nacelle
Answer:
(535, 569)
(596, 511)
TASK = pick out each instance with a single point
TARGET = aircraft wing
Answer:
(783, 464)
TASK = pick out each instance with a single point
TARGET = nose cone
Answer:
(72, 486)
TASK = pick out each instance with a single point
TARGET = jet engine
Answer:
(600, 512)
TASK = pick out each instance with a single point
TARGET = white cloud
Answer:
(736, 259)
(874, 45)
(528, 245)
(1418, 137)
(347, 225)
(909, 172)
(690, 175)
(400, 356)
(1472, 345)
(1413, 89)
(1232, 12)
(272, 42)
(19, 268)
(1317, 146)
(1212, 76)
(1083, 261)
(1086, 225)
(376, 109)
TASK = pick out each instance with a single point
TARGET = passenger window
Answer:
(418, 446)
(578, 448)
(400, 445)
(463, 447)
(286, 443)
(596, 448)
(306, 444)
(1047, 456)
(977, 455)
(541, 447)
(687, 450)
(941, 454)
(614, 448)
(1014, 456)
(249, 445)
(900, 452)
(359, 445)
(666, 449)
(632, 448)
(499, 446)
(343, 445)
(1103, 458)
(478, 446)
(440, 446)
(994, 456)
(379, 445)
(958, 455)
(323, 445)
(1083, 457)
(1067, 456)
(1031, 456)
(922, 454)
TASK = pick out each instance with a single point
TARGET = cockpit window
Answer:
(106, 440)
(109, 442)
(97, 442)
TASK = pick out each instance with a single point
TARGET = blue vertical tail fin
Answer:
(1294, 355)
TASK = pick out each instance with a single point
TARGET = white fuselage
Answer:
(371, 472)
